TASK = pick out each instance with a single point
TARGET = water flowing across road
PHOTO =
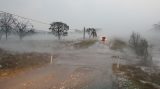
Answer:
(89, 68)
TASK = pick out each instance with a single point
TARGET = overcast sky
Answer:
(109, 15)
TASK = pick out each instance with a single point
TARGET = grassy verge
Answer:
(117, 44)
(139, 78)
(85, 43)
(12, 63)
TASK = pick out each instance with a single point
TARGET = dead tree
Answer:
(6, 23)
(59, 29)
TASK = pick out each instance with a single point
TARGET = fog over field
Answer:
(112, 17)
(48, 43)
(79, 44)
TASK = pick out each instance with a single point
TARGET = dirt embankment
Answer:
(11, 63)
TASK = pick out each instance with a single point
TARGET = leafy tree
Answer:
(6, 23)
(31, 31)
(91, 32)
(59, 29)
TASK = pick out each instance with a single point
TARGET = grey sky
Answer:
(110, 15)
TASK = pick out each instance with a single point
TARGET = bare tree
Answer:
(59, 29)
(6, 23)
(134, 41)
(143, 51)
(143, 48)
(23, 29)
(140, 46)
(1, 33)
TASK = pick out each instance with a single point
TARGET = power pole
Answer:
(84, 33)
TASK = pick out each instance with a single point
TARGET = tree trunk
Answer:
(20, 37)
(6, 35)
(1, 35)
(59, 37)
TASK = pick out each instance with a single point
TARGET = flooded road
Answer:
(89, 68)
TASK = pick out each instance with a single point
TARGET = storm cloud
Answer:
(109, 15)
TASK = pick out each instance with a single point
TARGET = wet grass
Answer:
(85, 43)
(11, 63)
(139, 78)
(117, 44)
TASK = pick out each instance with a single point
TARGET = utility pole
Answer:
(84, 33)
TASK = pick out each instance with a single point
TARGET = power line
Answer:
(27, 18)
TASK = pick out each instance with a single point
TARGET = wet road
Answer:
(72, 69)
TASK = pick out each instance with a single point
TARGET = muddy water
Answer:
(72, 69)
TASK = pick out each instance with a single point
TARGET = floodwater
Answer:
(89, 68)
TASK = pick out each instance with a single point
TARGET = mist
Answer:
(79, 44)
(112, 16)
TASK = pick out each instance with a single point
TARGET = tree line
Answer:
(60, 29)
(12, 25)
(9, 24)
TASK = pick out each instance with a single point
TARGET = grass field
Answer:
(11, 63)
